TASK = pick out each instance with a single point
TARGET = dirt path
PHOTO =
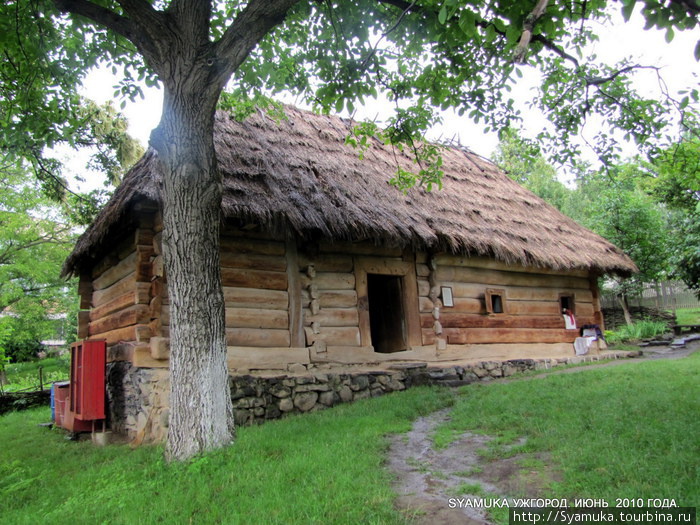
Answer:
(433, 485)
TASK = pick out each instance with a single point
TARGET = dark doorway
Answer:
(386, 313)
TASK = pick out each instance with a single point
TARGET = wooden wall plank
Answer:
(508, 335)
(115, 273)
(501, 278)
(256, 246)
(339, 336)
(256, 298)
(254, 279)
(126, 284)
(330, 281)
(325, 262)
(247, 358)
(257, 318)
(254, 261)
(256, 337)
(333, 317)
(488, 263)
(118, 303)
(136, 314)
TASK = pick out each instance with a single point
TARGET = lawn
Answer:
(688, 316)
(25, 375)
(628, 431)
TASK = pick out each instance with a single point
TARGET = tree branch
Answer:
(103, 16)
(255, 21)
(555, 49)
(528, 27)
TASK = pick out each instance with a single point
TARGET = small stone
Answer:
(328, 398)
(280, 391)
(384, 380)
(345, 394)
(305, 401)
(362, 394)
(376, 391)
(479, 372)
(272, 412)
(489, 365)
(241, 417)
(359, 382)
(259, 411)
(496, 372)
(509, 370)
(286, 404)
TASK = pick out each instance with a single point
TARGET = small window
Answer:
(495, 301)
(567, 303)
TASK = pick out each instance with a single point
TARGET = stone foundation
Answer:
(138, 397)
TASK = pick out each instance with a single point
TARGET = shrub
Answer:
(636, 331)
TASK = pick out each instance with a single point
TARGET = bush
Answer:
(21, 351)
(636, 331)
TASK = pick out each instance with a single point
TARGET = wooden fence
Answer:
(666, 295)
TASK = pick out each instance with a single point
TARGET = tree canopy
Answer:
(421, 55)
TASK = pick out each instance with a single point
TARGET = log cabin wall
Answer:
(121, 298)
(531, 301)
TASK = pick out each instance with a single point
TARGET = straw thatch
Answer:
(299, 174)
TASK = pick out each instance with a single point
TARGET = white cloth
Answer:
(569, 322)
(582, 344)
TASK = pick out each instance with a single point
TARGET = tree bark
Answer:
(201, 414)
(622, 299)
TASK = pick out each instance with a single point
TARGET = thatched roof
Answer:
(299, 174)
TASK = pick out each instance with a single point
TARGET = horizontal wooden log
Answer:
(257, 246)
(121, 248)
(488, 263)
(118, 303)
(254, 279)
(257, 337)
(136, 314)
(328, 317)
(257, 318)
(115, 273)
(326, 262)
(366, 354)
(338, 336)
(501, 278)
(547, 294)
(467, 306)
(508, 335)
(138, 333)
(459, 320)
(236, 297)
(330, 281)
(253, 261)
(249, 358)
(361, 248)
(126, 284)
(549, 308)
(337, 298)
(475, 353)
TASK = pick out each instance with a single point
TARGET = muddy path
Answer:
(433, 485)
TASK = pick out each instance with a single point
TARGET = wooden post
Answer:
(296, 326)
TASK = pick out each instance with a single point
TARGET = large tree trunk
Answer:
(201, 414)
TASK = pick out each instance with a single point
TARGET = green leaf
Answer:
(442, 15)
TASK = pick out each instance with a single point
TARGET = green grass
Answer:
(629, 431)
(324, 467)
(25, 375)
(688, 316)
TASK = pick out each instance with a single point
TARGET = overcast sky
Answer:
(680, 71)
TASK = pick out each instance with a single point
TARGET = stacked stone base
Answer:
(138, 397)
